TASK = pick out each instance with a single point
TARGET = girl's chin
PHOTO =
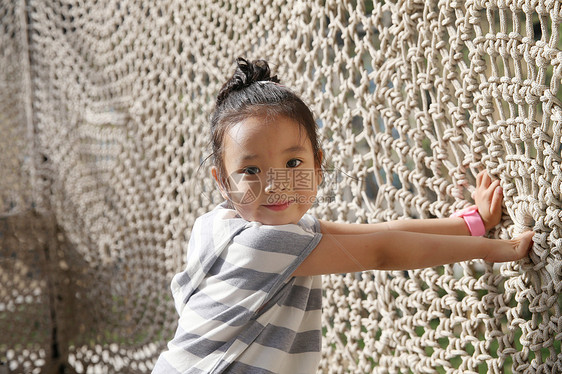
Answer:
(277, 214)
(268, 219)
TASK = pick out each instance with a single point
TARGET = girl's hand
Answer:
(488, 197)
(511, 250)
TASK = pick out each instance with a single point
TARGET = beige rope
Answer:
(104, 120)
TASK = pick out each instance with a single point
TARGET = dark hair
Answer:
(253, 92)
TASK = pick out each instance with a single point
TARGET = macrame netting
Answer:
(104, 121)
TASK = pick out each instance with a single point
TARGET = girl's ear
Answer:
(216, 176)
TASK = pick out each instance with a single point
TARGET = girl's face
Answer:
(271, 175)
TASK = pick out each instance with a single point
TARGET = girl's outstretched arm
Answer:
(488, 197)
(400, 250)
(415, 243)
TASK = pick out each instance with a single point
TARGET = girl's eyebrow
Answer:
(248, 157)
(295, 148)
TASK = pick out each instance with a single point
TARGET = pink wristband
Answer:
(472, 219)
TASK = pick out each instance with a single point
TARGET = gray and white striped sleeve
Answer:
(262, 257)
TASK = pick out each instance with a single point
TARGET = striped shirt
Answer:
(240, 311)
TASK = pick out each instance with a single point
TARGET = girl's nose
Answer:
(274, 185)
(269, 188)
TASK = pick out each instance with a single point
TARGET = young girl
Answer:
(250, 297)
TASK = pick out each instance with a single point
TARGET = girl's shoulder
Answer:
(219, 220)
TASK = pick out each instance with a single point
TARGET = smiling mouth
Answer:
(277, 207)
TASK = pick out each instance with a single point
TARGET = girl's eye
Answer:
(293, 163)
(251, 170)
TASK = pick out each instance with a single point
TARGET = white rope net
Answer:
(104, 120)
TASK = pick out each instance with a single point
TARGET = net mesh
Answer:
(104, 122)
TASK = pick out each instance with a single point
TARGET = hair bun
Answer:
(250, 72)
(246, 74)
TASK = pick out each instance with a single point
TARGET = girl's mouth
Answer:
(278, 207)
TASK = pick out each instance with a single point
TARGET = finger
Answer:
(531, 241)
(497, 198)
(479, 178)
(526, 241)
(486, 180)
(493, 186)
